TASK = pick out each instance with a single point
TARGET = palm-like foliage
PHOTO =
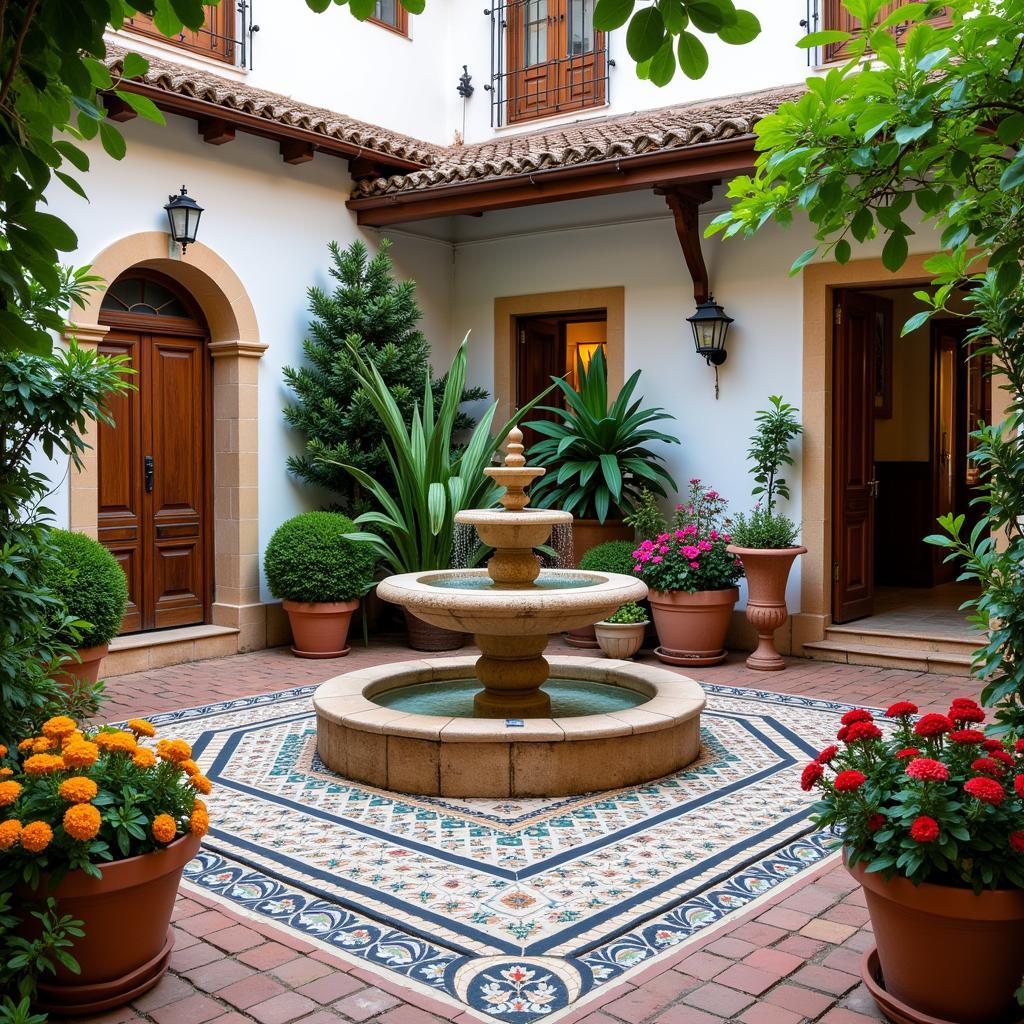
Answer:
(413, 531)
(596, 458)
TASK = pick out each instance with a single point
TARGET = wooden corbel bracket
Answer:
(684, 201)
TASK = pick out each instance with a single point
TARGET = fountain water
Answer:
(605, 710)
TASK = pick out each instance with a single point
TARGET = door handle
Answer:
(873, 488)
(147, 464)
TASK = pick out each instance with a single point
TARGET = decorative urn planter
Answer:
(128, 939)
(620, 639)
(943, 954)
(320, 629)
(423, 636)
(86, 671)
(767, 572)
(692, 627)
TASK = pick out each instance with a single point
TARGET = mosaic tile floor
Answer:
(514, 908)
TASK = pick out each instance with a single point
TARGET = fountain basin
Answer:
(441, 755)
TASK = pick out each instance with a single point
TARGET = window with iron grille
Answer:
(226, 35)
(391, 14)
(832, 16)
(546, 58)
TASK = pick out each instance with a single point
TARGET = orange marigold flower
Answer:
(43, 744)
(80, 754)
(190, 768)
(43, 764)
(164, 828)
(201, 784)
(6, 773)
(199, 822)
(3, 750)
(173, 750)
(82, 821)
(59, 726)
(9, 792)
(78, 789)
(141, 727)
(9, 832)
(118, 742)
(144, 758)
(26, 744)
(72, 737)
(36, 836)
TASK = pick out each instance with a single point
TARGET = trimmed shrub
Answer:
(612, 556)
(308, 559)
(90, 583)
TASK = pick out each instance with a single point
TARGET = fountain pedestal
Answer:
(512, 670)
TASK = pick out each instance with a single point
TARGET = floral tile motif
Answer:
(515, 908)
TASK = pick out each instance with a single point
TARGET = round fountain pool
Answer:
(409, 728)
(548, 580)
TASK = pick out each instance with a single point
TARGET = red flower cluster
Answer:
(876, 822)
(857, 715)
(932, 725)
(901, 709)
(908, 752)
(967, 736)
(849, 780)
(810, 776)
(988, 791)
(862, 731)
(1018, 786)
(927, 769)
(924, 829)
(1017, 842)
(986, 766)
(826, 756)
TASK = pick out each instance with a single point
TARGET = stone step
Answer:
(924, 642)
(845, 652)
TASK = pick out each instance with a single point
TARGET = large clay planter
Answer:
(692, 627)
(620, 639)
(128, 939)
(945, 954)
(320, 628)
(767, 571)
(86, 671)
(582, 636)
(588, 533)
(423, 636)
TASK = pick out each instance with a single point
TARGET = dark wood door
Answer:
(854, 486)
(946, 443)
(540, 356)
(153, 471)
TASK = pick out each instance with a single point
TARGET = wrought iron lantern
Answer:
(183, 214)
(710, 325)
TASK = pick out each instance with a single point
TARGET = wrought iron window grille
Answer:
(231, 41)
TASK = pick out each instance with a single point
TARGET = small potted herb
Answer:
(320, 575)
(621, 635)
(765, 540)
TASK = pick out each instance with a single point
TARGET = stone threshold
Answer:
(140, 652)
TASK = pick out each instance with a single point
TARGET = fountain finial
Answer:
(515, 475)
(514, 448)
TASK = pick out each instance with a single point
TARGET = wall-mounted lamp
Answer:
(183, 214)
(710, 326)
(465, 86)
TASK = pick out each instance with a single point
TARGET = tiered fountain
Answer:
(511, 722)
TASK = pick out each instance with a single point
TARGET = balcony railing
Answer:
(227, 34)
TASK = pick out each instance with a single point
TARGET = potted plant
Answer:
(764, 541)
(621, 635)
(611, 556)
(320, 577)
(103, 823)
(932, 819)
(414, 529)
(692, 580)
(597, 458)
(92, 588)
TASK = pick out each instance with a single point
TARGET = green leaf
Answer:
(802, 260)
(822, 39)
(663, 64)
(693, 57)
(1011, 129)
(645, 33)
(612, 14)
(415, 6)
(709, 15)
(50, 228)
(916, 321)
(744, 29)
(842, 251)
(911, 132)
(142, 105)
(1013, 176)
(134, 66)
(894, 253)
(113, 140)
(362, 9)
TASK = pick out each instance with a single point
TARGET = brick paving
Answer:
(791, 960)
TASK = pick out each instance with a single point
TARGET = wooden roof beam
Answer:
(684, 201)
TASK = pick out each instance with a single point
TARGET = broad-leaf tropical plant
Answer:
(597, 459)
(413, 530)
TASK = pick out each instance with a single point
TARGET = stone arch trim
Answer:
(235, 348)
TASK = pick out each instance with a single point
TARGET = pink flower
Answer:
(705, 545)
(638, 568)
(713, 534)
(712, 495)
(727, 538)
(663, 549)
(695, 565)
(690, 552)
(694, 479)
(657, 558)
(679, 534)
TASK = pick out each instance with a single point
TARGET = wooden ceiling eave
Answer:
(705, 162)
(291, 139)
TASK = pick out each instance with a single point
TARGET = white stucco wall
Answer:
(271, 223)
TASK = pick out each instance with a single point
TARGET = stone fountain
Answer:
(411, 727)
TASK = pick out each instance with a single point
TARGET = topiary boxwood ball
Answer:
(612, 556)
(88, 579)
(309, 560)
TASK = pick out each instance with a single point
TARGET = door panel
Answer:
(155, 523)
(854, 484)
(541, 356)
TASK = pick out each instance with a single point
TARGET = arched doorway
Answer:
(155, 496)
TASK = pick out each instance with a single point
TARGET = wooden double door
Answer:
(155, 471)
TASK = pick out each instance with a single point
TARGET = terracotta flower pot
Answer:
(86, 671)
(581, 636)
(946, 954)
(320, 628)
(128, 939)
(620, 639)
(423, 636)
(692, 627)
(588, 533)
(767, 571)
